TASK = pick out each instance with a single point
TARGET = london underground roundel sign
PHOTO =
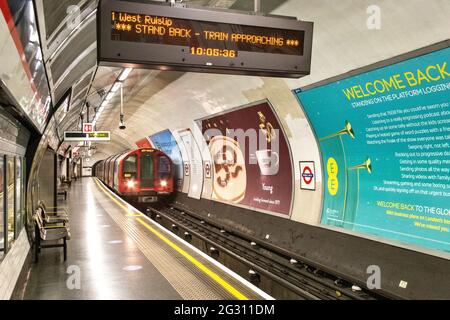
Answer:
(307, 175)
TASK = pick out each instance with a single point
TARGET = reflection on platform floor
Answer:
(121, 254)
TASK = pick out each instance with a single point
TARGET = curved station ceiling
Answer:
(158, 100)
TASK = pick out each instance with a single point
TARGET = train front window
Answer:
(130, 166)
(164, 168)
(146, 170)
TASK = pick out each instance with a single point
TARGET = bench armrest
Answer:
(55, 218)
(55, 227)
(59, 208)
(56, 213)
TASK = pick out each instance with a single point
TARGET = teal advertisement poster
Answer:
(384, 137)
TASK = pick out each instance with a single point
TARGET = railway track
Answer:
(263, 261)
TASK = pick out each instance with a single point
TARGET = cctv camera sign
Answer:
(384, 137)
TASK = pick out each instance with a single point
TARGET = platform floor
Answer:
(118, 253)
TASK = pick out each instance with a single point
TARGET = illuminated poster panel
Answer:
(251, 159)
(143, 143)
(165, 142)
(31, 91)
(385, 142)
(52, 134)
(62, 110)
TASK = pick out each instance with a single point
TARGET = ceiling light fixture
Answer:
(122, 116)
(125, 73)
(109, 96)
(115, 87)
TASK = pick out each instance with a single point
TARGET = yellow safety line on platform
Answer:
(228, 287)
(134, 215)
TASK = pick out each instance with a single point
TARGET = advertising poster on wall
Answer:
(385, 142)
(165, 142)
(51, 134)
(194, 166)
(251, 160)
(143, 143)
(62, 109)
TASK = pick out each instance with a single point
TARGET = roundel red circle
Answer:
(307, 175)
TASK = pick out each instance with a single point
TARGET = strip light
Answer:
(109, 96)
(115, 87)
(125, 73)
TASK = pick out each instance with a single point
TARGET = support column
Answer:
(257, 5)
(81, 168)
(55, 180)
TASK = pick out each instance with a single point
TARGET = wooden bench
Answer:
(52, 214)
(62, 192)
(63, 187)
(50, 228)
(65, 182)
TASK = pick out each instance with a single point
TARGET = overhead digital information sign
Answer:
(199, 40)
(91, 136)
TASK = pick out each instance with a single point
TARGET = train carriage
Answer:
(139, 175)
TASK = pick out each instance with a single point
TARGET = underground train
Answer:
(141, 175)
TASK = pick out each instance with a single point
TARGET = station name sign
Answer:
(199, 40)
(87, 136)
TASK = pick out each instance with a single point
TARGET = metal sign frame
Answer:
(78, 136)
(173, 57)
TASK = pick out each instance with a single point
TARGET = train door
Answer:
(147, 169)
(107, 171)
(100, 170)
(111, 172)
(116, 173)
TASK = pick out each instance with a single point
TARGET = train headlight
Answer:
(163, 183)
(130, 184)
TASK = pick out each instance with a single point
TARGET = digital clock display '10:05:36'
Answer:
(213, 52)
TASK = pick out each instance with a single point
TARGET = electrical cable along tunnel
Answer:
(224, 150)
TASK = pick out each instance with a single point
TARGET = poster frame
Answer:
(314, 180)
(359, 71)
(248, 105)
